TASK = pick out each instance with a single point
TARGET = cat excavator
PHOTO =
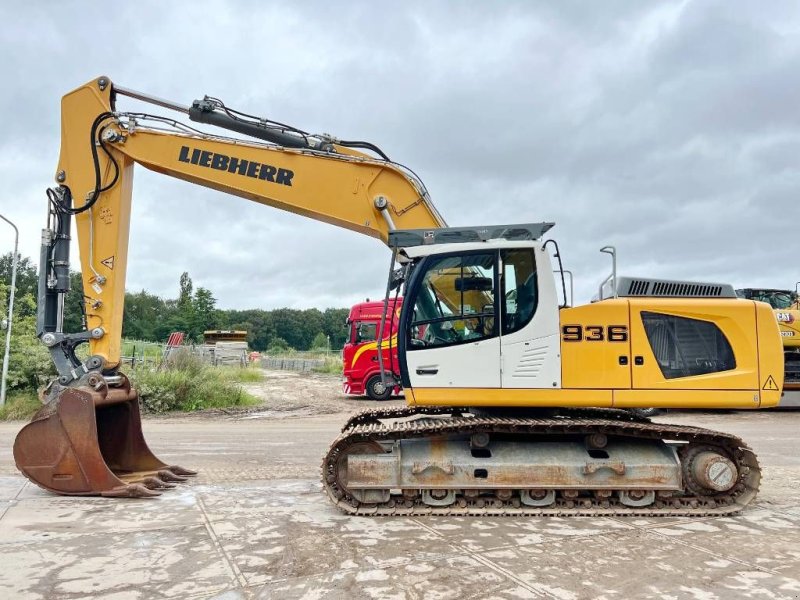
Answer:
(513, 397)
(786, 305)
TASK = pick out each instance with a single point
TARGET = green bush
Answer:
(19, 406)
(320, 342)
(29, 364)
(188, 385)
(278, 345)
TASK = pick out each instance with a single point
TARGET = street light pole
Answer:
(4, 376)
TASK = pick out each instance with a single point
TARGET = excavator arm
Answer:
(87, 438)
(280, 166)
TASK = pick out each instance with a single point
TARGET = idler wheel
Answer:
(714, 471)
(708, 471)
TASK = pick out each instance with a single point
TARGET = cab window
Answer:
(520, 288)
(454, 302)
(365, 331)
(684, 347)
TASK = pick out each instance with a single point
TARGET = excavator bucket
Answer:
(89, 442)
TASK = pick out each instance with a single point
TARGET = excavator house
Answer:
(513, 396)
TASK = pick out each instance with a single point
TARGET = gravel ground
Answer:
(255, 524)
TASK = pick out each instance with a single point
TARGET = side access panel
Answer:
(692, 354)
(595, 346)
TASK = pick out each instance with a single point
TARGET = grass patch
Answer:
(186, 384)
(250, 374)
(19, 406)
(172, 389)
(331, 366)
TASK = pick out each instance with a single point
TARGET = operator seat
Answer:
(527, 298)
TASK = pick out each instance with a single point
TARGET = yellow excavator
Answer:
(513, 397)
(786, 305)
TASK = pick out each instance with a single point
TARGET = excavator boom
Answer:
(87, 439)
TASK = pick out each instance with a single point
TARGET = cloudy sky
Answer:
(669, 129)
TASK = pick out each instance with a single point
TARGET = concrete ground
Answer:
(255, 524)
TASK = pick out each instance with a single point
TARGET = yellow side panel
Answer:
(770, 355)
(736, 319)
(508, 397)
(686, 399)
(593, 361)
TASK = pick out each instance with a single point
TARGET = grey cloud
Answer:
(667, 129)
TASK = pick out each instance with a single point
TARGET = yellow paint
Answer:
(687, 399)
(736, 319)
(392, 341)
(591, 365)
(579, 398)
(509, 397)
(790, 331)
(110, 217)
(770, 354)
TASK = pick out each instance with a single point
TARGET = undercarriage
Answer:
(593, 462)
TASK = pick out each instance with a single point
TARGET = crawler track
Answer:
(369, 427)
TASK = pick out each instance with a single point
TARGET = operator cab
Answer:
(480, 310)
(777, 299)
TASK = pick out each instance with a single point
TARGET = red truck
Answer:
(362, 374)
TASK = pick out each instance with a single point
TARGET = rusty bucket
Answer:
(88, 441)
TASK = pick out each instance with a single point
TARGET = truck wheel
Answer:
(376, 389)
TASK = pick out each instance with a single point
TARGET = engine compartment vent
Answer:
(664, 288)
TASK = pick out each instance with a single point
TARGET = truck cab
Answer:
(361, 367)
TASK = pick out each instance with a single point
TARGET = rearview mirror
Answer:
(473, 284)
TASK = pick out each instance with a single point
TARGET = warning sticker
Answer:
(109, 262)
(770, 385)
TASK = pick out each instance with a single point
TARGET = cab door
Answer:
(451, 335)
(530, 343)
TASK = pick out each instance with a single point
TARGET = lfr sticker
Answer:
(108, 262)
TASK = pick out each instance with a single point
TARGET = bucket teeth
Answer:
(155, 483)
(177, 470)
(168, 475)
(132, 490)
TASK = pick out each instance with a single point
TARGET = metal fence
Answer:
(300, 361)
(292, 364)
(139, 353)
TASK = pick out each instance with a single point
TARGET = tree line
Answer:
(152, 318)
